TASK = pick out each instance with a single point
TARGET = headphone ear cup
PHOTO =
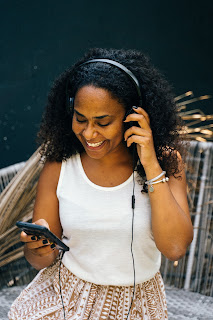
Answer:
(70, 105)
(130, 124)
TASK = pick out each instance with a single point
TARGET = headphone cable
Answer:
(59, 276)
(133, 214)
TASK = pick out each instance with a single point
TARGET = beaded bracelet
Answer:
(151, 188)
(156, 178)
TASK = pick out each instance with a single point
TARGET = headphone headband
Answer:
(70, 100)
(123, 68)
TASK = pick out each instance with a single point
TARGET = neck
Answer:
(121, 155)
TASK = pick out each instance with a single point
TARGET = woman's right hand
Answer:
(37, 246)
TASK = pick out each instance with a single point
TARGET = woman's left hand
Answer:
(142, 136)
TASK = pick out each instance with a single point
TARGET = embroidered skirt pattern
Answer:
(87, 301)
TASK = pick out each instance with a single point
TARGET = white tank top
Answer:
(97, 226)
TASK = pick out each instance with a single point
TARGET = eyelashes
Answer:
(81, 121)
(99, 124)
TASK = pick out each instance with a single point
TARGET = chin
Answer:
(94, 155)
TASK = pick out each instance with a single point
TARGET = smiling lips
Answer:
(95, 145)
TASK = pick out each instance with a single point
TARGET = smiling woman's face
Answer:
(98, 122)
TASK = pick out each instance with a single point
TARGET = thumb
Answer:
(42, 222)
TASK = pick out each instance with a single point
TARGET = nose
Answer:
(89, 132)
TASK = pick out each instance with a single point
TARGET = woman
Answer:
(99, 124)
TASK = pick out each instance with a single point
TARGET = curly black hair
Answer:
(57, 140)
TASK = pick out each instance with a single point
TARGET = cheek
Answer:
(76, 128)
(118, 133)
(115, 133)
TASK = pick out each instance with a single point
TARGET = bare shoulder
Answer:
(50, 174)
(46, 202)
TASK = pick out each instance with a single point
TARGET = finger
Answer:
(42, 222)
(139, 110)
(143, 112)
(38, 244)
(142, 141)
(135, 131)
(24, 237)
(44, 251)
(28, 238)
(140, 118)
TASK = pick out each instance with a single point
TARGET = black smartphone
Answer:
(41, 231)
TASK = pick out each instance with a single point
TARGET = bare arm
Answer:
(171, 224)
(46, 212)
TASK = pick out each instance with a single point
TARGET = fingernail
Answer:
(52, 245)
(33, 238)
(134, 107)
(45, 241)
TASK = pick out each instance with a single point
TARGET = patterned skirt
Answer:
(85, 300)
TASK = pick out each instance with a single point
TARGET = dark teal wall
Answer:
(39, 39)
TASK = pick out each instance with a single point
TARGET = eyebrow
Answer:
(100, 117)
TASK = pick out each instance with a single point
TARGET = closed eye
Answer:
(104, 125)
(99, 124)
(81, 121)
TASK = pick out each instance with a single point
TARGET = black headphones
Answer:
(70, 100)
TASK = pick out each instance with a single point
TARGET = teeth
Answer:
(95, 144)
